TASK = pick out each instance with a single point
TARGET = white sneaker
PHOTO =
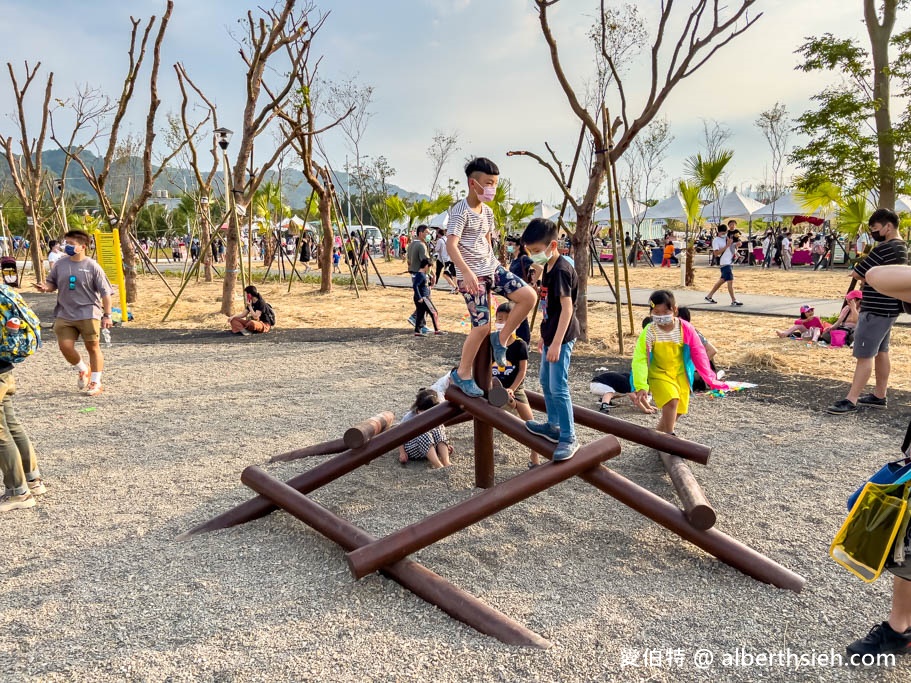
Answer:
(36, 487)
(83, 381)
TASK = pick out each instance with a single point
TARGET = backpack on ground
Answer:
(10, 271)
(20, 328)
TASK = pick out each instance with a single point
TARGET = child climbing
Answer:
(512, 375)
(667, 357)
(430, 446)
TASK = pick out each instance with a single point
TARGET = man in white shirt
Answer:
(786, 251)
(724, 246)
(445, 266)
(54, 254)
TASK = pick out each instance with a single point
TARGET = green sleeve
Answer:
(640, 363)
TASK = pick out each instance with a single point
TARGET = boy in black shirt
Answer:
(422, 303)
(559, 329)
(878, 313)
(512, 375)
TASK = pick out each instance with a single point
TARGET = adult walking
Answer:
(83, 308)
(445, 266)
(724, 246)
(878, 313)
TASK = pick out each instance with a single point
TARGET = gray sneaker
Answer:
(871, 401)
(544, 430)
(36, 487)
(467, 386)
(565, 450)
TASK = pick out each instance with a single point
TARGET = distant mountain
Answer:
(176, 181)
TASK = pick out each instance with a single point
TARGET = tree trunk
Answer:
(34, 238)
(690, 279)
(231, 263)
(581, 242)
(324, 203)
(206, 254)
(880, 34)
(128, 252)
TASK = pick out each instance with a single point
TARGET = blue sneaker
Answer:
(499, 351)
(565, 450)
(468, 386)
(411, 320)
(544, 430)
(425, 330)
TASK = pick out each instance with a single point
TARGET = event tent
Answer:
(542, 210)
(441, 220)
(671, 208)
(569, 214)
(734, 205)
(903, 204)
(630, 211)
(786, 205)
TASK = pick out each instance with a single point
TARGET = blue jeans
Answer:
(555, 387)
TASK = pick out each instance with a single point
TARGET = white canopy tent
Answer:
(903, 204)
(630, 211)
(569, 214)
(734, 205)
(671, 208)
(786, 205)
(441, 220)
(542, 210)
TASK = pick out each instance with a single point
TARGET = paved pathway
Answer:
(753, 304)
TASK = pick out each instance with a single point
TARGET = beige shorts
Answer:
(71, 330)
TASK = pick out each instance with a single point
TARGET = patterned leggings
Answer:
(417, 448)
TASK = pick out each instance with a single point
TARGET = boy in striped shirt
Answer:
(469, 238)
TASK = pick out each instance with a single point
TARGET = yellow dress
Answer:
(667, 378)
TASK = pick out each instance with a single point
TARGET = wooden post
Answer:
(483, 433)
(419, 580)
(695, 504)
(358, 435)
(399, 544)
(324, 448)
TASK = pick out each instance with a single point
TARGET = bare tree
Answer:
(442, 148)
(645, 159)
(776, 128)
(27, 170)
(117, 147)
(204, 180)
(351, 96)
(706, 27)
(714, 136)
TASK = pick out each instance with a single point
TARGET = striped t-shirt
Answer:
(473, 229)
(655, 334)
(890, 253)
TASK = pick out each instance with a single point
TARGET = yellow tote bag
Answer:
(865, 540)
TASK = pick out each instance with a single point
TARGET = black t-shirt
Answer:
(420, 286)
(889, 253)
(515, 354)
(617, 381)
(559, 281)
(266, 314)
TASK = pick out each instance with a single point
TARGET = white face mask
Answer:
(663, 319)
(499, 326)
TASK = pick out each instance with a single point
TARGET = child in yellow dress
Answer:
(667, 357)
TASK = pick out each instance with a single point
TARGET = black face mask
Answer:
(877, 235)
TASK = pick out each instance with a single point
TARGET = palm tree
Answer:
(707, 173)
(692, 206)
(425, 209)
(396, 210)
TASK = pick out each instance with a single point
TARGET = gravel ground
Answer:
(95, 587)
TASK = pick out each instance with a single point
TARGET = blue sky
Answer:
(476, 66)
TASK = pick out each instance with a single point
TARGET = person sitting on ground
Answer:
(512, 375)
(847, 319)
(258, 316)
(807, 326)
(430, 446)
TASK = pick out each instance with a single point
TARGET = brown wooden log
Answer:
(324, 448)
(484, 474)
(712, 541)
(332, 469)
(505, 422)
(419, 580)
(631, 432)
(459, 419)
(399, 544)
(358, 435)
(695, 505)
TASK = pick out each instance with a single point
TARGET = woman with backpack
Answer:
(258, 317)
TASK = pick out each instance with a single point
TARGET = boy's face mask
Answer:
(541, 257)
(485, 194)
(69, 249)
